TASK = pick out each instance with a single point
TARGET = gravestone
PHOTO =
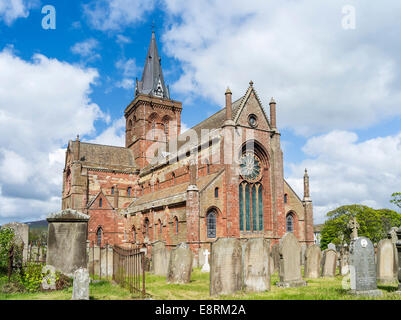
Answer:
(49, 279)
(206, 265)
(256, 258)
(398, 246)
(313, 257)
(363, 268)
(289, 266)
(275, 257)
(303, 252)
(21, 232)
(66, 241)
(80, 286)
(331, 246)
(344, 261)
(393, 235)
(329, 263)
(180, 264)
(225, 266)
(160, 258)
(386, 262)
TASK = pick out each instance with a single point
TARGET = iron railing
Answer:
(128, 269)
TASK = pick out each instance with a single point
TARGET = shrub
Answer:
(32, 276)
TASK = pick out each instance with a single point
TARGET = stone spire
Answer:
(306, 187)
(152, 82)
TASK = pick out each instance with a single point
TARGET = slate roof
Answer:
(172, 194)
(152, 82)
(105, 156)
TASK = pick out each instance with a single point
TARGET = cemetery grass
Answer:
(198, 289)
(317, 289)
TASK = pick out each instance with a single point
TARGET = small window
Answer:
(286, 198)
(290, 223)
(129, 191)
(216, 192)
(160, 227)
(112, 190)
(134, 234)
(100, 202)
(211, 224)
(99, 236)
(147, 227)
(176, 225)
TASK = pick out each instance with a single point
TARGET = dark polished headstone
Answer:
(363, 268)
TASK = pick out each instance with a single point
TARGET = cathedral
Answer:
(221, 178)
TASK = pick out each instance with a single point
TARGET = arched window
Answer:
(176, 225)
(153, 128)
(286, 198)
(207, 167)
(211, 224)
(129, 191)
(173, 177)
(290, 223)
(134, 234)
(129, 125)
(147, 227)
(99, 236)
(160, 227)
(216, 192)
(112, 190)
(100, 202)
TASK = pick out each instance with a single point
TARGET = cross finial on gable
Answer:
(251, 83)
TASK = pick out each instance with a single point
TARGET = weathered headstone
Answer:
(275, 257)
(354, 226)
(256, 258)
(80, 286)
(303, 252)
(225, 266)
(331, 246)
(66, 242)
(180, 264)
(21, 232)
(290, 267)
(398, 246)
(363, 268)
(329, 263)
(49, 279)
(386, 262)
(206, 265)
(313, 257)
(344, 261)
(393, 235)
(160, 258)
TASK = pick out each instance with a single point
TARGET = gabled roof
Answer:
(171, 195)
(90, 203)
(105, 156)
(152, 82)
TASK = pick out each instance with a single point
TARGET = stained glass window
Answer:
(260, 199)
(254, 209)
(211, 224)
(99, 236)
(241, 208)
(290, 223)
(247, 208)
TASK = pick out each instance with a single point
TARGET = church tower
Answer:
(152, 118)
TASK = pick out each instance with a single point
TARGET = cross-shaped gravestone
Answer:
(354, 225)
(206, 266)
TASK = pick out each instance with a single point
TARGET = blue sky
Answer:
(336, 82)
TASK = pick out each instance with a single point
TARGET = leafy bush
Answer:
(6, 241)
(32, 276)
(62, 281)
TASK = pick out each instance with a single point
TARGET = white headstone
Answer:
(206, 266)
(80, 287)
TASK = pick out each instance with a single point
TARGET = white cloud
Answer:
(86, 49)
(10, 10)
(121, 39)
(322, 76)
(113, 135)
(129, 69)
(43, 104)
(344, 171)
(114, 15)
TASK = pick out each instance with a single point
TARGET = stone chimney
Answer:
(273, 113)
(76, 149)
(229, 109)
(306, 187)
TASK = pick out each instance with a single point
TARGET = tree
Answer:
(373, 224)
(396, 199)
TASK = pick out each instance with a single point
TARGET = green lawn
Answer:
(198, 289)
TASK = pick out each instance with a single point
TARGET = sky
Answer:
(333, 67)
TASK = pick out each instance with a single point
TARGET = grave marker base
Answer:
(370, 293)
(291, 284)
